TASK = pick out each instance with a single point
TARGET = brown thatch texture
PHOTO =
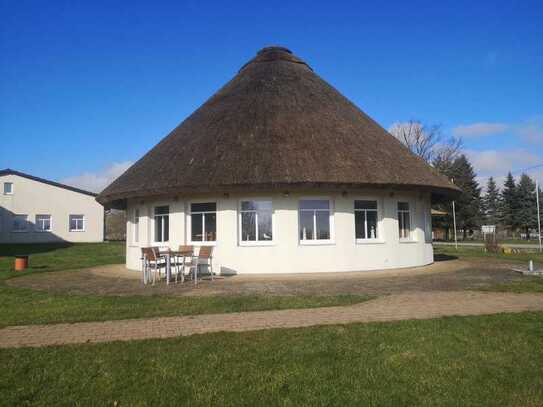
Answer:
(275, 125)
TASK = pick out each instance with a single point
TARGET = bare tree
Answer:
(428, 142)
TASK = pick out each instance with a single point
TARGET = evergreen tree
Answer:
(468, 204)
(526, 211)
(491, 203)
(509, 203)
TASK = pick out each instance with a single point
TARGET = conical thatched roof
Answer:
(275, 125)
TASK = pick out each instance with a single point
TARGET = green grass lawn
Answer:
(22, 306)
(477, 252)
(57, 257)
(459, 361)
(25, 306)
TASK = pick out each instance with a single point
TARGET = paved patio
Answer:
(415, 305)
(449, 275)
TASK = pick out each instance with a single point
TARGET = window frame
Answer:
(70, 222)
(11, 189)
(410, 238)
(154, 216)
(380, 229)
(189, 223)
(331, 209)
(255, 242)
(25, 230)
(36, 229)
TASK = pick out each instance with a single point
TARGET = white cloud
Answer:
(480, 129)
(96, 182)
(498, 163)
(531, 133)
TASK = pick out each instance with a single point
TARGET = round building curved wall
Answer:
(292, 249)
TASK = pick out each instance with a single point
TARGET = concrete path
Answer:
(423, 305)
(480, 244)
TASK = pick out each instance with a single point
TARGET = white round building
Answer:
(281, 174)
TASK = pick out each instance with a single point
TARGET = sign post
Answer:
(538, 214)
(454, 223)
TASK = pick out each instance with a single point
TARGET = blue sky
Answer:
(89, 87)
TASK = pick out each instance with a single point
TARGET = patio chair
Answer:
(182, 259)
(153, 262)
(205, 257)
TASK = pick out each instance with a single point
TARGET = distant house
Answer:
(35, 210)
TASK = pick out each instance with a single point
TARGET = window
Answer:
(315, 220)
(203, 221)
(162, 223)
(77, 223)
(20, 223)
(136, 226)
(404, 221)
(43, 223)
(365, 220)
(8, 188)
(256, 221)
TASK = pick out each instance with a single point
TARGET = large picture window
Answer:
(77, 223)
(203, 221)
(43, 223)
(315, 224)
(365, 216)
(162, 223)
(256, 221)
(404, 220)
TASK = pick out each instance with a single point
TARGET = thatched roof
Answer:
(275, 126)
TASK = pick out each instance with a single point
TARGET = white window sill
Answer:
(208, 243)
(408, 241)
(317, 242)
(77, 230)
(257, 243)
(369, 241)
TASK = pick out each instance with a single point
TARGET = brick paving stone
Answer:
(412, 305)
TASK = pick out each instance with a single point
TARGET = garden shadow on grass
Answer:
(12, 249)
(444, 257)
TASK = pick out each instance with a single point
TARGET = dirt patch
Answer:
(451, 275)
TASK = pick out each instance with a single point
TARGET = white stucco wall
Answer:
(33, 198)
(287, 254)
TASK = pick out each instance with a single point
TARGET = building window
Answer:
(136, 226)
(8, 188)
(77, 223)
(162, 223)
(404, 221)
(43, 223)
(365, 218)
(203, 222)
(256, 221)
(20, 223)
(315, 220)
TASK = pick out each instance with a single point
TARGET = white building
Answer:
(35, 210)
(281, 174)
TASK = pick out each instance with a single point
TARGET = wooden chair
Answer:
(153, 261)
(180, 261)
(206, 254)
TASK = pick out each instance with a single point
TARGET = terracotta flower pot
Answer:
(21, 263)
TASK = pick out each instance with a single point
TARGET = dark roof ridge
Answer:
(9, 171)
